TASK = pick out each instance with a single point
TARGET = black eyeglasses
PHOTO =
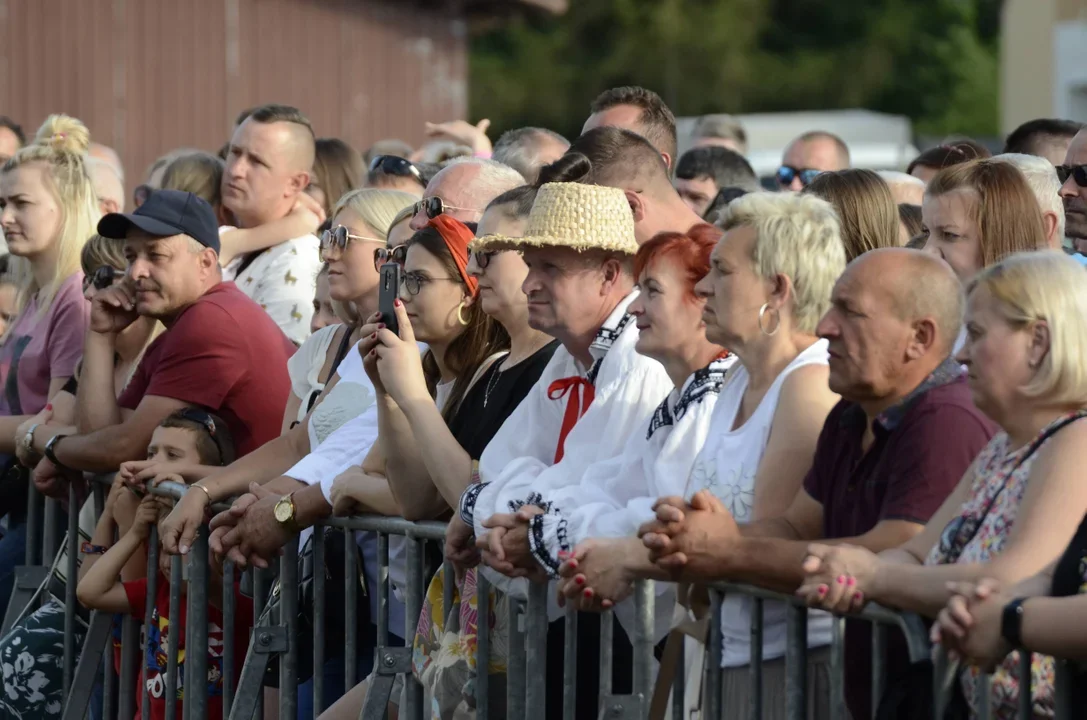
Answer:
(339, 236)
(102, 278)
(1076, 172)
(398, 166)
(435, 206)
(383, 256)
(414, 283)
(204, 419)
(786, 174)
(483, 257)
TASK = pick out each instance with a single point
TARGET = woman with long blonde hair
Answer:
(48, 210)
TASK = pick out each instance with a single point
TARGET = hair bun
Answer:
(571, 167)
(64, 134)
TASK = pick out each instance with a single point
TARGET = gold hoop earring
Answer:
(762, 311)
(460, 315)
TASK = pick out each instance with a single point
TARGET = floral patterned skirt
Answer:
(444, 658)
(32, 662)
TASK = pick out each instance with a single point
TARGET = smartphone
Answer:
(388, 292)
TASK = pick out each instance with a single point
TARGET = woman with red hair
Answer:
(613, 498)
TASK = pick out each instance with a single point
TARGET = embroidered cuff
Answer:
(468, 503)
(547, 537)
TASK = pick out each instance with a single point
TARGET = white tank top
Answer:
(727, 466)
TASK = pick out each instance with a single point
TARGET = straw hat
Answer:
(576, 216)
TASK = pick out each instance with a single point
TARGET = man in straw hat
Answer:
(596, 391)
(622, 159)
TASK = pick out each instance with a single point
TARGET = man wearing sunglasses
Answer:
(462, 190)
(810, 154)
(1073, 175)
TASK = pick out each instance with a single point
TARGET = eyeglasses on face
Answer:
(786, 174)
(413, 283)
(435, 206)
(483, 257)
(339, 236)
(102, 278)
(1076, 172)
(385, 255)
(398, 166)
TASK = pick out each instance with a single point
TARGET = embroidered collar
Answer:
(702, 383)
(948, 372)
(608, 333)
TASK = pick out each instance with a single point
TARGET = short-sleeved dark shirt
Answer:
(225, 354)
(923, 446)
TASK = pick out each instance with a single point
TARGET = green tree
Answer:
(932, 60)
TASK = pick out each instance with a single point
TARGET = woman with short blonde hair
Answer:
(1022, 500)
(865, 206)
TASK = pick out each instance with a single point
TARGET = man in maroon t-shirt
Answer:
(220, 350)
(889, 454)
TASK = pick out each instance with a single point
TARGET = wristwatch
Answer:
(284, 511)
(1011, 623)
(28, 439)
(51, 450)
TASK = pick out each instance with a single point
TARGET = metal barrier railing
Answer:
(275, 634)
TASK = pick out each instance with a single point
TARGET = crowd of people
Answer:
(605, 362)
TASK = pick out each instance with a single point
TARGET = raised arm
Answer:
(304, 219)
(100, 587)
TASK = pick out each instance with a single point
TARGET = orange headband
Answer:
(457, 235)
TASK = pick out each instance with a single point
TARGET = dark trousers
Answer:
(588, 665)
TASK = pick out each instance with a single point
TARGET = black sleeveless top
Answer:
(1070, 578)
(493, 397)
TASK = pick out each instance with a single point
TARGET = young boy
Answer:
(194, 442)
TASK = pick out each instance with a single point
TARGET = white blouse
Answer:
(304, 367)
(727, 467)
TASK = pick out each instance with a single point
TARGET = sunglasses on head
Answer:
(394, 165)
(102, 278)
(202, 418)
(1076, 172)
(435, 206)
(383, 256)
(339, 236)
(786, 174)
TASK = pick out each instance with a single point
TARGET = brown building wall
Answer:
(147, 76)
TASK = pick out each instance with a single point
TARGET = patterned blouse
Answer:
(977, 535)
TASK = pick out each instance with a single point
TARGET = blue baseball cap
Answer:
(164, 214)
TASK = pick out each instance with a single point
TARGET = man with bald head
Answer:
(109, 186)
(810, 154)
(642, 112)
(1073, 193)
(463, 189)
(268, 166)
(618, 158)
(889, 454)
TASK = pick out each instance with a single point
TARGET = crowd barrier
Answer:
(275, 636)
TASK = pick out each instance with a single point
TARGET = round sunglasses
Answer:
(339, 236)
(385, 255)
(483, 257)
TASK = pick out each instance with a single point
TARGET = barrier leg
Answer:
(1026, 704)
(712, 694)
(173, 639)
(229, 620)
(536, 647)
(569, 670)
(388, 662)
(1062, 689)
(149, 614)
(130, 654)
(837, 669)
(755, 700)
(34, 519)
(288, 662)
(515, 669)
(483, 647)
(70, 604)
(350, 598)
(879, 660)
(94, 646)
(319, 572)
(413, 605)
(796, 662)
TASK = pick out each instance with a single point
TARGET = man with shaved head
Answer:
(623, 159)
(810, 154)
(108, 155)
(463, 189)
(268, 166)
(889, 454)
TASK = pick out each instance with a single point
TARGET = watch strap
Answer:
(51, 450)
(1011, 623)
(28, 440)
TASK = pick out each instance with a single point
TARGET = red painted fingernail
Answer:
(373, 336)
(841, 579)
(851, 581)
(822, 590)
(397, 302)
(858, 595)
(49, 406)
(379, 326)
(579, 580)
(589, 593)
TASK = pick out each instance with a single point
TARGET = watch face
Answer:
(283, 510)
